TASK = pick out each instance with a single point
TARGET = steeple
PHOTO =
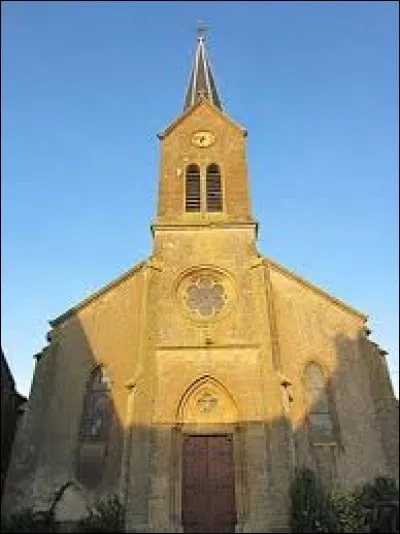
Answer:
(203, 174)
(201, 83)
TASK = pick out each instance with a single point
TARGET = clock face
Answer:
(203, 138)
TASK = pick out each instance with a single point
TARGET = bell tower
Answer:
(203, 175)
(208, 329)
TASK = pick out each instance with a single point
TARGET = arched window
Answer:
(213, 188)
(96, 409)
(95, 423)
(192, 199)
(318, 404)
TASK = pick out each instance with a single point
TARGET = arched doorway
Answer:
(206, 444)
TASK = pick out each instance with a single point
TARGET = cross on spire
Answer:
(201, 29)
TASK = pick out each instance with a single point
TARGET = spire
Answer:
(201, 83)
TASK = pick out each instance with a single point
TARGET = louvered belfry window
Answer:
(192, 188)
(213, 188)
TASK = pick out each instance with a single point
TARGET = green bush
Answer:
(311, 509)
(25, 521)
(350, 516)
(106, 516)
(354, 510)
(314, 510)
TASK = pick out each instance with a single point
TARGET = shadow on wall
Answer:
(91, 431)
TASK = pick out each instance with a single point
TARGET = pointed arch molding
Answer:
(206, 407)
(206, 401)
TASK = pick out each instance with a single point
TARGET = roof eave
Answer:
(82, 304)
(316, 289)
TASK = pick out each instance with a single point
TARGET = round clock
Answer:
(203, 138)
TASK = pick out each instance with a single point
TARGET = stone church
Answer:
(193, 385)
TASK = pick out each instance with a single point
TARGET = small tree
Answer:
(311, 509)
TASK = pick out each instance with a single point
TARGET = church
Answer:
(193, 385)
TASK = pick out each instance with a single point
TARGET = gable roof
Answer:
(83, 303)
(290, 274)
(201, 102)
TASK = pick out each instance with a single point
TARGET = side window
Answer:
(192, 193)
(96, 410)
(95, 424)
(213, 188)
(318, 404)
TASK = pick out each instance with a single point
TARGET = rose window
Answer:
(205, 296)
(205, 293)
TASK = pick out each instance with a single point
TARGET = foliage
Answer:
(107, 516)
(311, 509)
(349, 512)
(354, 510)
(314, 510)
(25, 521)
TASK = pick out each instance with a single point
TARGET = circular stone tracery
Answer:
(205, 296)
(205, 293)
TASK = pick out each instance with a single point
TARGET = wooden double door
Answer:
(208, 484)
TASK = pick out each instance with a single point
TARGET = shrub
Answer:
(25, 521)
(372, 507)
(107, 516)
(355, 510)
(311, 509)
(349, 514)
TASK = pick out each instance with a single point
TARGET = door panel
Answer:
(208, 485)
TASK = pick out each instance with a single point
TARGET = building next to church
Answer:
(194, 384)
(11, 408)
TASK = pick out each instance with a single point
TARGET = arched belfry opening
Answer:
(207, 451)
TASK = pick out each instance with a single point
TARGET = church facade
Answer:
(193, 385)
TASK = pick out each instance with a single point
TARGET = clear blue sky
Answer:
(85, 88)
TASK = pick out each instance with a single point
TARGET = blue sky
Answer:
(85, 88)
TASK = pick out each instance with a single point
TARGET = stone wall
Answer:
(104, 331)
(316, 328)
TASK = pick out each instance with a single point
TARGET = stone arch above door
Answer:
(206, 401)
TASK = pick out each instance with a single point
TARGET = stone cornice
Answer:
(215, 346)
(203, 225)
